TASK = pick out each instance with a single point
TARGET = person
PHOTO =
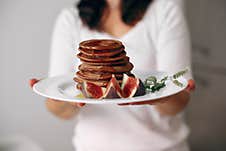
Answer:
(156, 33)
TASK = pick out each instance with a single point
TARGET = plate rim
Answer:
(104, 101)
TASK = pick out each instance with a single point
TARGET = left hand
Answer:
(186, 92)
(58, 103)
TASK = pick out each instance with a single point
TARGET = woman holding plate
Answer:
(157, 33)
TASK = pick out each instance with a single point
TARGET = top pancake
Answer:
(101, 44)
(105, 53)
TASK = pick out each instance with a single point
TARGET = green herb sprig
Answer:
(152, 84)
(180, 73)
(176, 82)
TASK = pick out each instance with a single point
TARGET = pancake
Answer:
(102, 83)
(100, 44)
(102, 59)
(112, 69)
(104, 53)
(97, 76)
(119, 62)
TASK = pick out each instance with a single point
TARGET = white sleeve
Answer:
(173, 43)
(63, 47)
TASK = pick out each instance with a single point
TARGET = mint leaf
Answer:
(157, 87)
(180, 73)
(176, 82)
(151, 80)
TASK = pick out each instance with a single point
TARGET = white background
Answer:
(25, 33)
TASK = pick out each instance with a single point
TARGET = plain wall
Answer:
(207, 110)
(25, 33)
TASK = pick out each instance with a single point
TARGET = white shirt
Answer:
(160, 41)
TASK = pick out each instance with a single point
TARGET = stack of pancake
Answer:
(100, 59)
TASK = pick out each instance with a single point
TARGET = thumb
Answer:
(191, 85)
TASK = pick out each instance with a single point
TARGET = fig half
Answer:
(132, 86)
(113, 89)
(91, 90)
(129, 86)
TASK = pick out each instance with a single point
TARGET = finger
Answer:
(123, 104)
(151, 102)
(77, 104)
(139, 103)
(144, 103)
(134, 103)
(32, 82)
(191, 85)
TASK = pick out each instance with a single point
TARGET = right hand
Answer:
(32, 83)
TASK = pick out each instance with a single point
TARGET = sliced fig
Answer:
(91, 90)
(140, 89)
(113, 89)
(129, 86)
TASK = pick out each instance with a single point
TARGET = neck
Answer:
(114, 4)
(112, 22)
(112, 15)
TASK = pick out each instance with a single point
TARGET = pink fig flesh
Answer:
(129, 86)
(92, 90)
(113, 89)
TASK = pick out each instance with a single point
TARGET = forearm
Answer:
(63, 110)
(173, 105)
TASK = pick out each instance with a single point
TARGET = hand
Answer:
(32, 82)
(185, 93)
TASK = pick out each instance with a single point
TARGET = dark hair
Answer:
(91, 11)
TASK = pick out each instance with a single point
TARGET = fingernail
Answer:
(191, 86)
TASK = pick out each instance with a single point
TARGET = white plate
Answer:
(63, 88)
